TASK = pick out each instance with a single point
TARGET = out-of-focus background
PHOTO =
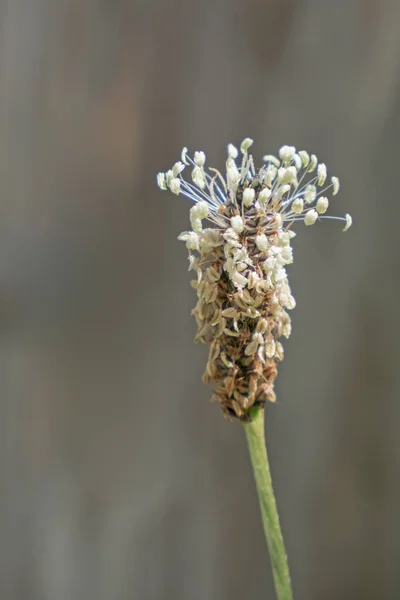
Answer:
(119, 480)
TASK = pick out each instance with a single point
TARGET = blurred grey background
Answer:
(119, 480)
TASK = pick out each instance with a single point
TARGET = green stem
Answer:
(259, 460)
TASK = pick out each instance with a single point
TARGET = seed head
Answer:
(240, 262)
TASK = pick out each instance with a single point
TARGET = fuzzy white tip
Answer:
(161, 181)
(313, 163)
(200, 210)
(248, 197)
(310, 193)
(349, 222)
(183, 156)
(264, 195)
(297, 161)
(177, 168)
(237, 224)
(233, 176)
(262, 242)
(198, 177)
(175, 186)
(305, 158)
(232, 151)
(321, 173)
(335, 185)
(286, 153)
(191, 238)
(322, 205)
(238, 279)
(310, 217)
(298, 206)
(245, 145)
(199, 158)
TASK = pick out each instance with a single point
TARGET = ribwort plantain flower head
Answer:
(240, 262)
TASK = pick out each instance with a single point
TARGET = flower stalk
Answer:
(259, 459)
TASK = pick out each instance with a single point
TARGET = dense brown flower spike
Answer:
(242, 286)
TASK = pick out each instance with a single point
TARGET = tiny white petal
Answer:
(279, 353)
(272, 159)
(322, 205)
(262, 242)
(175, 186)
(233, 176)
(281, 191)
(245, 145)
(191, 238)
(270, 348)
(287, 153)
(183, 156)
(297, 162)
(257, 336)
(269, 264)
(336, 185)
(280, 274)
(298, 206)
(232, 151)
(237, 223)
(287, 329)
(248, 196)
(199, 210)
(321, 173)
(192, 242)
(199, 158)
(238, 279)
(287, 175)
(349, 222)
(291, 302)
(281, 174)
(161, 181)
(287, 255)
(231, 237)
(198, 177)
(313, 163)
(264, 195)
(262, 325)
(168, 177)
(310, 193)
(283, 238)
(197, 225)
(177, 168)
(192, 262)
(251, 348)
(305, 158)
(278, 220)
(270, 174)
(310, 217)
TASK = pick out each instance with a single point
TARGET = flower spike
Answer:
(242, 285)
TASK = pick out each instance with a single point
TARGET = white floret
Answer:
(237, 224)
(310, 217)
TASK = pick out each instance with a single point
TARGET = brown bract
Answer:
(242, 325)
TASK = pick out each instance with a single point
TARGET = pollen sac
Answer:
(248, 197)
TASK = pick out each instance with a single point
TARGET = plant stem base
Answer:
(259, 459)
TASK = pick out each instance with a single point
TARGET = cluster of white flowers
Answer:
(289, 184)
(242, 285)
